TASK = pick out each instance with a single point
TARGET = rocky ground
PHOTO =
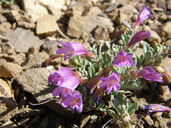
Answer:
(29, 35)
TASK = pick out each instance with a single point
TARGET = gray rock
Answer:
(50, 47)
(79, 25)
(101, 34)
(35, 60)
(22, 39)
(35, 82)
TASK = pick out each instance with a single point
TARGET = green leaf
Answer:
(123, 39)
(148, 56)
(156, 50)
(133, 107)
(91, 71)
(131, 112)
(146, 47)
(120, 98)
(131, 85)
(115, 103)
(77, 60)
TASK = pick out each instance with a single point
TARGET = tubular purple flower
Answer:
(111, 82)
(55, 78)
(138, 37)
(144, 14)
(150, 74)
(71, 49)
(73, 101)
(65, 77)
(58, 77)
(123, 59)
(71, 82)
(156, 108)
(62, 91)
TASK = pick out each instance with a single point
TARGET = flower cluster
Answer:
(67, 81)
(112, 70)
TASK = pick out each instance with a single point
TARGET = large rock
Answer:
(46, 25)
(22, 39)
(35, 82)
(79, 25)
(50, 47)
(35, 60)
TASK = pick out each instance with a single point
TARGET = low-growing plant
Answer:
(104, 75)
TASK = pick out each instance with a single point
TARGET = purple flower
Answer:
(111, 82)
(71, 49)
(62, 91)
(144, 14)
(73, 101)
(138, 37)
(55, 78)
(150, 74)
(156, 108)
(58, 77)
(65, 77)
(123, 59)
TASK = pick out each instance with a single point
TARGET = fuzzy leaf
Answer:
(156, 50)
(148, 56)
(133, 107)
(146, 47)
